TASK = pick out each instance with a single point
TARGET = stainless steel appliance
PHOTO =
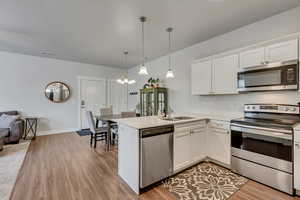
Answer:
(156, 154)
(274, 76)
(262, 144)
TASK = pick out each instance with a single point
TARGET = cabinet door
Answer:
(280, 52)
(198, 144)
(297, 165)
(252, 58)
(225, 75)
(219, 148)
(182, 149)
(201, 78)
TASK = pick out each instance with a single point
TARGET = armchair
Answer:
(15, 132)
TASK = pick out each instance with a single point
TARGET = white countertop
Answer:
(153, 121)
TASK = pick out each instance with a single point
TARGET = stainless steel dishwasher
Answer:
(156, 154)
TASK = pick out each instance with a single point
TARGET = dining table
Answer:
(109, 121)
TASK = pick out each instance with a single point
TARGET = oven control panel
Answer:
(272, 108)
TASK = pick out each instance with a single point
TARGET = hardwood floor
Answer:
(64, 167)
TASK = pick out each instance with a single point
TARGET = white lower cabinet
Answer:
(189, 145)
(198, 144)
(182, 151)
(297, 165)
(194, 142)
(219, 145)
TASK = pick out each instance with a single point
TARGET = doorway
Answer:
(97, 93)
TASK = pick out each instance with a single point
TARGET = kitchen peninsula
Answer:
(145, 158)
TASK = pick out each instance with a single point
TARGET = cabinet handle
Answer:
(297, 145)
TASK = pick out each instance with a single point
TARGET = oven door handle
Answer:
(262, 132)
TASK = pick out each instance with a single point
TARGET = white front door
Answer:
(117, 96)
(93, 97)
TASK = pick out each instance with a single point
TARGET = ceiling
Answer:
(98, 31)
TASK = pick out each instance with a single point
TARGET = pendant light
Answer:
(170, 73)
(143, 69)
(125, 80)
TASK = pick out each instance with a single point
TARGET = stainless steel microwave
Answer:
(275, 76)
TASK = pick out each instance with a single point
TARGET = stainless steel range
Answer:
(262, 144)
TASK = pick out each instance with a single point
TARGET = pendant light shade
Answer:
(125, 80)
(170, 73)
(143, 69)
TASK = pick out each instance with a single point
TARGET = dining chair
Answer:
(106, 111)
(128, 114)
(97, 134)
(114, 129)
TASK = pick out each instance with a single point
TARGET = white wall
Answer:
(181, 99)
(23, 79)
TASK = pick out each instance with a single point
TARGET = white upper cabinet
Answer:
(219, 75)
(252, 58)
(225, 75)
(284, 51)
(279, 52)
(201, 78)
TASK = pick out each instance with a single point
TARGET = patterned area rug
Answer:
(205, 181)
(11, 160)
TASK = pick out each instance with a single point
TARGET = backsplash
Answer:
(235, 103)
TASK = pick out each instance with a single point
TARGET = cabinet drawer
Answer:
(190, 124)
(219, 124)
(182, 133)
(198, 129)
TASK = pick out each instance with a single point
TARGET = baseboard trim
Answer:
(206, 159)
(56, 131)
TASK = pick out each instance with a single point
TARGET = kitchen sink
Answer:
(179, 118)
(183, 118)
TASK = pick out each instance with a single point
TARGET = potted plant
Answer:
(152, 83)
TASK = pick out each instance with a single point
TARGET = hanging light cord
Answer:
(143, 43)
(169, 50)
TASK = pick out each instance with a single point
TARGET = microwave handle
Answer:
(262, 132)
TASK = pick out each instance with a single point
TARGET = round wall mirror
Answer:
(57, 92)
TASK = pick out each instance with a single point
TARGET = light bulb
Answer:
(131, 82)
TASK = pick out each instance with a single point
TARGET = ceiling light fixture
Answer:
(170, 73)
(125, 80)
(143, 69)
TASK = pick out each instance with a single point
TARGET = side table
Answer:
(30, 127)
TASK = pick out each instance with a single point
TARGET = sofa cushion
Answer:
(7, 120)
(4, 132)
